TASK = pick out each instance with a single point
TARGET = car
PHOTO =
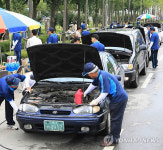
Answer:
(158, 29)
(57, 69)
(129, 48)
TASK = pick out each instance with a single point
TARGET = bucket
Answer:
(11, 59)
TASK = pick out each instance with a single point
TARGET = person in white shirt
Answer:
(28, 83)
(34, 40)
(78, 32)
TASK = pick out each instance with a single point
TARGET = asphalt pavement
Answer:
(142, 125)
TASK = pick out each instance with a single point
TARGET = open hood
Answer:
(61, 60)
(158, 25)
(110, 39)
(142, 32)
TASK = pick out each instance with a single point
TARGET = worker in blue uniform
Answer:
(113, 93)
(85, 32)
(96, 43)
(154, 46)
(83, 26)
(53, 37)
(8, 84)
(17, 45)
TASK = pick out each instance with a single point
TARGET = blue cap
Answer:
(51, 29)
(11, 80)
(152, 28)
(89, 68)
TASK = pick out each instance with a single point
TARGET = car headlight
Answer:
(86, 109)
(28, 108)
(127, 66)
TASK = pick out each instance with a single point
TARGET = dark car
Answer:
(129, 48)
(57, 70)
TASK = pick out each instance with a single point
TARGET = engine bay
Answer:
(58, 93)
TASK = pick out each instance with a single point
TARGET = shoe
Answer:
(109, 141)
(108, 144)
(12, 127)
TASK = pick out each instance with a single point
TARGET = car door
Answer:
(141, 54)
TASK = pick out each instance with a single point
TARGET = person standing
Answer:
(85, 32)
(154, 46)
(39, 30)
(96, 43)
(8, 84)
(34, 40)
(83, 26)
(53, 37)
(112, 93)
(77, 33)
(47, 24)
(17, 45)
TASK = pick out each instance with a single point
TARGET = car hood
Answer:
(61, 60)
(142, 32)
(158, 25)
(110, 39)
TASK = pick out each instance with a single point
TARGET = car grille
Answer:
(55, 112)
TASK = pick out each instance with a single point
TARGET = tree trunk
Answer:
(109, 21)
(112, 11)
(86, 13)
(64, 21)
(122, 11)
(7, 4)
(52, 24)
(129, 10)
(96, 15)
(133, 11)
(103, 13)
(140, 7)
(35, 4)
(30, 14)
(78, 22)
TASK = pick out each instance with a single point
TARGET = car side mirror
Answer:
(142, 47)
(118, 77)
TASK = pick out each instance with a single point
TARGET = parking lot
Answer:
(142, 124)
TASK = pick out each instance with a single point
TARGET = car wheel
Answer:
(106, 131)
(135, 83)
(144, 71)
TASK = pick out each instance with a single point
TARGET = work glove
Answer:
(94, 102)
(12, 48)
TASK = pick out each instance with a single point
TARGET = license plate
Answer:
(51, 125)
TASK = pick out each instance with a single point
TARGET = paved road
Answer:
(142, 125)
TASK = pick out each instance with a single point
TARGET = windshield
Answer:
(67, 80)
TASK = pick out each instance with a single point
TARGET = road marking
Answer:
(147, 81)
(112, 147)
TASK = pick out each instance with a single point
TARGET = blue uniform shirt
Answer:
(155, 40)
(99, 46)
(17, 36)
(85, 33)
(148, 33)
(5, 91)
(83, 26)
(109, 84)
(53, 38)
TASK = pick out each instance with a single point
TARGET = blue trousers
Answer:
(8, 111)
(116, 117)
(18, 55)
(154, 58)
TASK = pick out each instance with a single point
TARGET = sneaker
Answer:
(12, 127)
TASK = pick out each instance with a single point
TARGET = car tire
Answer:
(106, 131)
(144, 71)
(135, 83)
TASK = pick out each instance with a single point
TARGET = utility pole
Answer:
(86, 12)
(64, 21)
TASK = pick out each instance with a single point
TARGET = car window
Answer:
(140, 39)
(112, 65)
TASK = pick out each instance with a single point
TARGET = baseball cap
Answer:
(89, 68)
(152, 28)
(51, 29)
(11, 80)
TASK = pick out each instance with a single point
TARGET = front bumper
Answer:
(71, 124)
(130, 76)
